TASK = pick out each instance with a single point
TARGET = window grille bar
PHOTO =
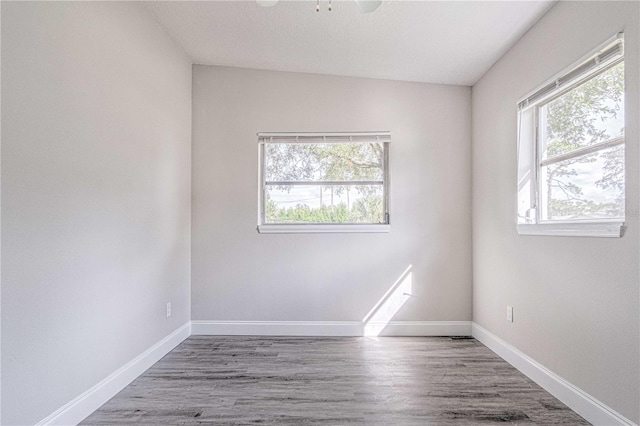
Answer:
(583, 151)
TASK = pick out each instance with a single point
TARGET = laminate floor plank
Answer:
(245, 380)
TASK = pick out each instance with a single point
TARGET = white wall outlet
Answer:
(168, 309)
(510, 313)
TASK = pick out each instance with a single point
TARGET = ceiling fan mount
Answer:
(365, 6)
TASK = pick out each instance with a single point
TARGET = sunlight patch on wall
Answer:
(389, 305)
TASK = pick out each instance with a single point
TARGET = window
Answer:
(571, 151)
(324, 182)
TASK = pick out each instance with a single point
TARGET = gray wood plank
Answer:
(239, 380)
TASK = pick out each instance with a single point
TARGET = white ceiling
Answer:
(451, 42)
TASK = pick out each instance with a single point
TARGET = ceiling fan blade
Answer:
(267, 3)
(368, 6)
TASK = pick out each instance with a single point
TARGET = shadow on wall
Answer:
(389, 305)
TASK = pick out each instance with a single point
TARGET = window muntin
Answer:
(324, 179)
(571, 150)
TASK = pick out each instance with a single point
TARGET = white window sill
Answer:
(597, 229)
(321, 228)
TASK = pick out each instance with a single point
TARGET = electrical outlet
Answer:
(510, 313)
(168, 309)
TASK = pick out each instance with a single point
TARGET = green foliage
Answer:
(613, 170)
(366, 210)
(352, 161)
(572, 118)
(319, 161)
(304, 214)
(578, 208)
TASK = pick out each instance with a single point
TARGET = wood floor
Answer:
(332, 381)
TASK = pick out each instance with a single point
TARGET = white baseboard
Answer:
(330, 328)
(80, 407)
(575, 398)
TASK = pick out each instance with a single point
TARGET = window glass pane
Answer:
(590, 113)
(324, 204)
(587, 187)
(325, 162)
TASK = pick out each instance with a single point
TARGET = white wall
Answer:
(96, 114)
(238, 274)
(575, 299)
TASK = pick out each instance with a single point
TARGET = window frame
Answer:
(545, 94)
(265, 138)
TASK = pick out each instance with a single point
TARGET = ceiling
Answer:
(450, 42)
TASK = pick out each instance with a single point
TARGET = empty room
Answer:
(336, 212)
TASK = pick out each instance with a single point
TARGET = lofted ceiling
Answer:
(450, 42)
